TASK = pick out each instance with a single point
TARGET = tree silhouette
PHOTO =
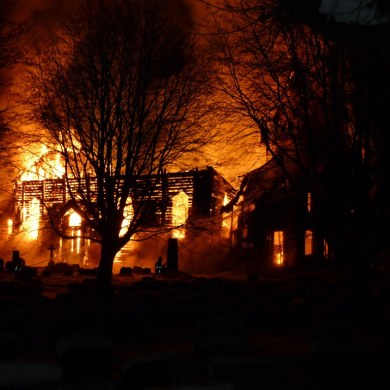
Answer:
(9, 52)
(299, 86)
(121, 89)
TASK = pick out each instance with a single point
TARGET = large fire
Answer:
(49, 165)
(46, 165)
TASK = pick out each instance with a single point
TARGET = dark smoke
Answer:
(50, 12)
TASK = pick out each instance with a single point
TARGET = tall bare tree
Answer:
(9, 51)
(298, 86)
(121, 89)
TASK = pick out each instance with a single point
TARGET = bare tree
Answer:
(297, 85)
(122, 91)
(9, 52)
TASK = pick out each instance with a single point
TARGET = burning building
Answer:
(275, 223)
(184, 205)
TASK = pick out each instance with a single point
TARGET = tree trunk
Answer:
(104, 274)
(172, 255)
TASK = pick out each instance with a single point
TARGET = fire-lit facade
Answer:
(180, 201)
(275, 223)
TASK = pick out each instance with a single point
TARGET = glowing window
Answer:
(308, 242)
(74, 219)
(179, 213)
(32, 217)
(326, 249)
(227, 218)
(278, 247)
(309, 202)
(245, 232)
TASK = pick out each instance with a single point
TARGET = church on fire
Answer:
(259, 223)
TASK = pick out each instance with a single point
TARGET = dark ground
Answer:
(283, 330)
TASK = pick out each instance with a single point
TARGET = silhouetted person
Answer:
(17, 261)
(159, 266)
